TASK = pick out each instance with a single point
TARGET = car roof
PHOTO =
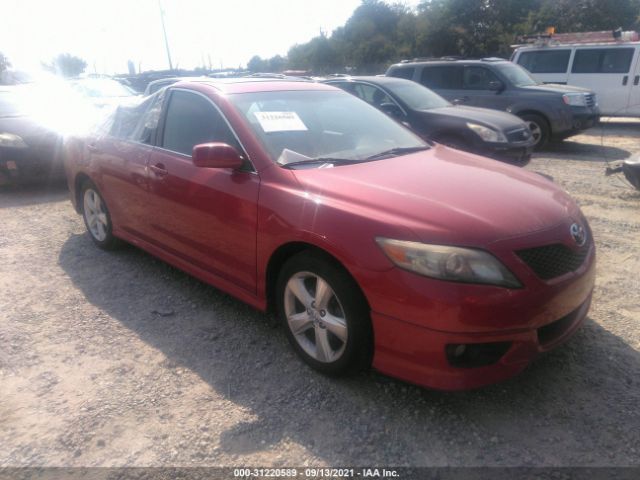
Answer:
(252, 84)
(578, 45)
(379, 80)
(474, 61)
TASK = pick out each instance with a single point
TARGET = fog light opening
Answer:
(472, 355)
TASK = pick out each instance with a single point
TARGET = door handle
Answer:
(93, 148)
(460, 100)
(636, 80)
(159, 169)
(625, 80)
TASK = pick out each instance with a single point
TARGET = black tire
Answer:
(358, 348)
(539, 128)
(108, 241)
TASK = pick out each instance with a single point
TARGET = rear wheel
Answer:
(96, 217)
(539, 127)
(325, 315)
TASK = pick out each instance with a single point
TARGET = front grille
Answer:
(551, 261)
(591, 99)
(518, 135)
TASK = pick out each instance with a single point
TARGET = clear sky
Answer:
(107, 33)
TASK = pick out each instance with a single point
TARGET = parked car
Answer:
(434, 265)
(103, 92)
(498, 135)
(29, 147)
(611, 70)
(551, 111)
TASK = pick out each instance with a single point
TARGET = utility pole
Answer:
(164, 31)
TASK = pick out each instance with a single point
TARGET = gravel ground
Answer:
(117, 359)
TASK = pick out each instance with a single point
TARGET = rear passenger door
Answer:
(607, 71)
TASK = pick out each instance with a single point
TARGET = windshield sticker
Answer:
(280, 122)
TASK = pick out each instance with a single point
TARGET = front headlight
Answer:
(455, 264)
(575, 99)
(487, 134)
(11, 140)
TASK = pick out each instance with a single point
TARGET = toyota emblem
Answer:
(578, 234)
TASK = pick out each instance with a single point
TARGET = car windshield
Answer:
(416, 96)
(96, 88)
(300, 126)
(516, 75)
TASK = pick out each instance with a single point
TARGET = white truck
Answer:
(606, 62)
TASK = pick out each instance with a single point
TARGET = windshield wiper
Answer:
(394, 152)
(323, 160)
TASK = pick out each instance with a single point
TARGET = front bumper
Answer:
(574, 120)
(514, 154)
(418, 355)
(19, 165)
(417, 320)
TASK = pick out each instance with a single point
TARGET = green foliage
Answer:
(379, 33)
(66, 65)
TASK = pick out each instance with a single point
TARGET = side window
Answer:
(191, 120)
(372, 95)
(126, 118)
(602, 60)
(478, 78)
(546, 61)
(148, 122)
(402, 72)
(442, 77)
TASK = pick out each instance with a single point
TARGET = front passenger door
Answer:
(205, 216)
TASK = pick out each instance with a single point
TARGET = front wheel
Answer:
(540, 130)
(324, 313)
(96, 217)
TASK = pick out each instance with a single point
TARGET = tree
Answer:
(257, 64)
(587, 15)
(66, 65)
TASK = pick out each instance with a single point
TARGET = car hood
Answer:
(557, 88)
(492, 118)
(31, 131)
(443, 196)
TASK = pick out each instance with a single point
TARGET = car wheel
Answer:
(325, 314)
(540, 130)
(96, 217)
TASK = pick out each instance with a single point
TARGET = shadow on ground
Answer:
(33, 194)
(577, 405)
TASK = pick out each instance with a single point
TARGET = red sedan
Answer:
(438, 267)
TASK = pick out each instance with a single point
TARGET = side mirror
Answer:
(391, 109)
(496, 86)
(216, 155)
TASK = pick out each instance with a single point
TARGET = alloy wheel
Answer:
(315, 317)
(95, 215)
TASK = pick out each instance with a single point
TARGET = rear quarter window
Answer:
(547, 61)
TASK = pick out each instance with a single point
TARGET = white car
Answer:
(611, 70)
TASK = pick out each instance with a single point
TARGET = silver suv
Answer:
(553, 112)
